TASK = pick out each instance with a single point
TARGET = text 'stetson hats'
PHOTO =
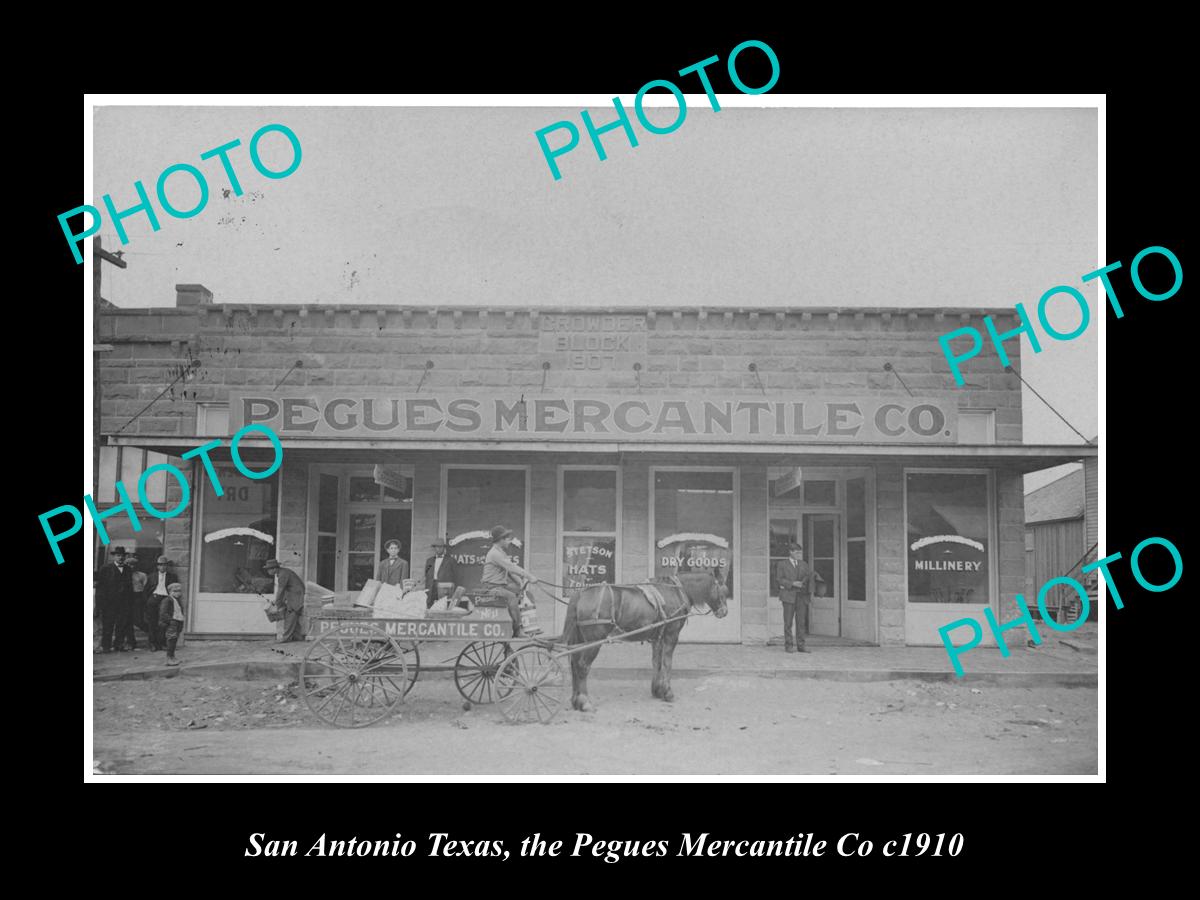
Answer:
(499, 532)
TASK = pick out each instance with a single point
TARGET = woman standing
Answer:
(392, 570)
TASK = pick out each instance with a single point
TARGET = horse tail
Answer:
(570, 629)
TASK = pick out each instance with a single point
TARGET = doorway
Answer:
(831, 513)
(358, 510)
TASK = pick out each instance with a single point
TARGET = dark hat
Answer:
(271, 564)
(118, 551)
(440, 542)
(392, 542)
(163, 559)
(499, 532)
(794, 546)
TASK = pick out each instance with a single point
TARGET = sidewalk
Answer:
(1066, 659)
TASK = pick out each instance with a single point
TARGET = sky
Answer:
(742, 208)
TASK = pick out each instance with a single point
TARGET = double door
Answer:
(358, 510)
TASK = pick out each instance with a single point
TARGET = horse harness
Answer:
(650, 591)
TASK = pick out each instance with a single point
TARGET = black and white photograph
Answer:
(684, 436)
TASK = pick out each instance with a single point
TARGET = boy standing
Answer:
(171, 616)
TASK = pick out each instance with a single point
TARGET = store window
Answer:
(476, 500)
(948, 547)
(237, 533)
(589, 527)
(693, 523)
(126, 464)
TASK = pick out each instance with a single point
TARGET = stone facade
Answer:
(201, 352)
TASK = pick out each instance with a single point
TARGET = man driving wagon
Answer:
(504, 580)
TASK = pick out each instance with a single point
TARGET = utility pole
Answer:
(99, 257)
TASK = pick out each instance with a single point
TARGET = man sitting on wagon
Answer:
(504, 579)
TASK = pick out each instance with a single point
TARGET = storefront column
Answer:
(635, 565)
(890, 537)
(541, 539)
(426, 517)
(293, 516)
(1010, 501)
(753, 566)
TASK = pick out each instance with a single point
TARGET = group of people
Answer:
(128, 598)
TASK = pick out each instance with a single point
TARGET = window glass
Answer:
(363, 488)
(693, 524)
(589, 505)
(856, 507)
(326, 560)
(820, 493)
(783, 533)
(856, 570)
(106, 491)
(976, 426)
(476, 500)
(327, 504)
(147, 543)
(237, 533)
(947, 548)
(589, 500)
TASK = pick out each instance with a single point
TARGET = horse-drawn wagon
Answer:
(360, 667)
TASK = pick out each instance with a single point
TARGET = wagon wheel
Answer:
(350, 680)
(476, 667)
(412, 659)
(530, 685)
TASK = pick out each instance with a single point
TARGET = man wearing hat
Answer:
(156, 593)
(393, 569)
(114, 596)
(439, 569)
(503, 578)
(289, 598)
(795, 578)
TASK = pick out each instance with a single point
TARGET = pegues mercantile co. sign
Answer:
(341, 412)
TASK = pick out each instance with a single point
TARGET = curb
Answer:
(274, 671)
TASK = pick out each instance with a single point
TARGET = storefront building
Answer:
(617, 444)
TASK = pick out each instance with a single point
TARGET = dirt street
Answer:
(733, 725)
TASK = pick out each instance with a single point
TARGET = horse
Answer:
(600, 610)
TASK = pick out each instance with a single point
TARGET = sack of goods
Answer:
(274, 613)
(391, 604)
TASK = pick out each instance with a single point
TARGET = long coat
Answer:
(113, 587)
(449, 573)
(291, 590)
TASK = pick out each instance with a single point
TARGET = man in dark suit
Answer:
(795, 578)
(439, 568)
(156, 593)
(289, 598)
(114, 596)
